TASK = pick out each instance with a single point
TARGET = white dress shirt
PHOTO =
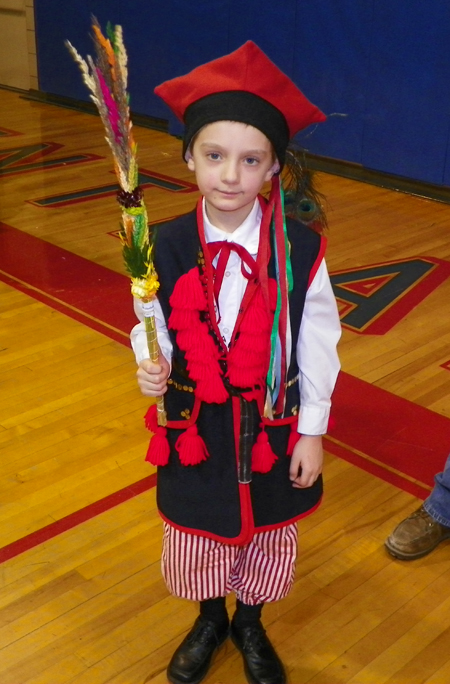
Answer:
(320, 328)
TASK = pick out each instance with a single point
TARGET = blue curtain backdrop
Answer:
(379, 69)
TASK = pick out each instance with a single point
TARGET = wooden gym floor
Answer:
(81, 596)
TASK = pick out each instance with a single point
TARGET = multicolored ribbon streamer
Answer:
(283, 271)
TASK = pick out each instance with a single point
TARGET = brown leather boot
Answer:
(416, 536)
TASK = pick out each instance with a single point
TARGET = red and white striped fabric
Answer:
(198, 568)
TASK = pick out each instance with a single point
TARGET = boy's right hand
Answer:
(152, 377)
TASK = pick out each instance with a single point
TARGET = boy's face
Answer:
(232, 161)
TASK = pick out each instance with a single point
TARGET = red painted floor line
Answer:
(71, 311)
(390, 437)
(66, 279)
(368, 464)
(59, 526)
(404, 436)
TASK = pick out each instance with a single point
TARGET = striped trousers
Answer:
(198, 568)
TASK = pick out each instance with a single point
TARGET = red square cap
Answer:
(246, 69)
(243, 86)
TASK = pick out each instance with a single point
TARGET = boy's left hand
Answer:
(306, 461)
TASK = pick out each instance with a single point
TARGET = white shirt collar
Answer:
(247, 234)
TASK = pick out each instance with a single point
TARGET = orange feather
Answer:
(106, 44)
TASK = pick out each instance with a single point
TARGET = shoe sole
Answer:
(413, 556)
(197, 681)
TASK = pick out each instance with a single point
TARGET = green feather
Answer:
(140, 235)
(136, 261)
(110, 32)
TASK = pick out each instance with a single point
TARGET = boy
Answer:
(247, 328)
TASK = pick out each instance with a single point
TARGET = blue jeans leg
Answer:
(438, 503)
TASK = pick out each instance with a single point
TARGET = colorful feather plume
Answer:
(106, 78)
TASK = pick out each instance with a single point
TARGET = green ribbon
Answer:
(271, 375)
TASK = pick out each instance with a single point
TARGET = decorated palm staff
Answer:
(106, 77)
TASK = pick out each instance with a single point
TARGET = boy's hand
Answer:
(152, 377)
(306, 461)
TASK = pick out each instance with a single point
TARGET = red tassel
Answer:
(245, 377)
(263, 457)
(255, 343)
(188, 292)
(203, 350)
(158, 449)
(257, 317)
(182, 319)
(211, 390)
(191, 447)
(188, 338)
(244, 357)
(205, 370)
(294, 436)
(151, 419)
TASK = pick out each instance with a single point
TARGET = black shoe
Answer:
(190, 662)
(261, 663)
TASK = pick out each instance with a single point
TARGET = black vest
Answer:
(207, 499)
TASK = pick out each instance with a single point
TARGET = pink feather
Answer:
(113, 111)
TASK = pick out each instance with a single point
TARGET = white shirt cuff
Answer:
(313, 420)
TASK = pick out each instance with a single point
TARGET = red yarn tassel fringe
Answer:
(191, 447)
(158, 449)
(263, 457)
(188, 292)
(294, 436)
